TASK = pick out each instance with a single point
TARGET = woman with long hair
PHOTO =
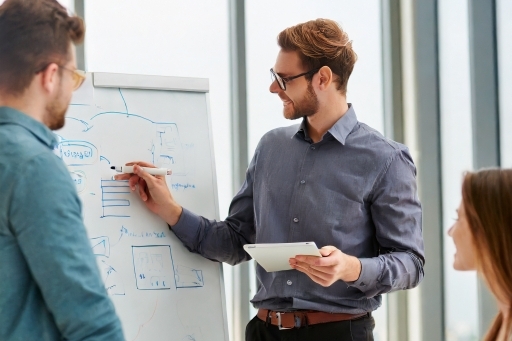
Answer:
(483, 238)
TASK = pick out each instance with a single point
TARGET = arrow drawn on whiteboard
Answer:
(145, 323)
(123, 231)
(87, 126)
(102, 158)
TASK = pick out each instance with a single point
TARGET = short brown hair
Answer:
(33, 33)
(321, 42)
(487, 201)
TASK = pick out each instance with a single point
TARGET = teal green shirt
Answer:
(50, 286)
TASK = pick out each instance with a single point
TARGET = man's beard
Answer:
(306, 107)
(56, 112)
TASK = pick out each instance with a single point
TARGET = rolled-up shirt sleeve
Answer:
(396, 214)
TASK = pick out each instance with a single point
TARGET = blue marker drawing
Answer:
(168, 157)
(100, 246)
(77, 153)
(126, 113)
(166, 148)
(102, 158)
(152, 150)
(120, 236)
(80, 179)
(188, 278)
(122, 97)
(87, 126)
(170, 150)
(115, 198)
(144, 234)
(112, 280)
(121, 113)
(177, 186)
(153, 267)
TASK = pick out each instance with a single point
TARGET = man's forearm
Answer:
(171, 215)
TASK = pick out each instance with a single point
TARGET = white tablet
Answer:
(275, 257)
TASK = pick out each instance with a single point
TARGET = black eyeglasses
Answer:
(281, 81)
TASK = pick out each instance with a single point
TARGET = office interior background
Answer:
(434, 75)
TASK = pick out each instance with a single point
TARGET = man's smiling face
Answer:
(299, 98)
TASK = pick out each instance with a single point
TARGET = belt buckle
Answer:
(278, 314)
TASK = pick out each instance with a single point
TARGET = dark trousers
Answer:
(360, 329)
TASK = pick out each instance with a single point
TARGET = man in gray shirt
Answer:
(331, 180)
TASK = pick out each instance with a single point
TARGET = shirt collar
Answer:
(40, 131)
(340, 130)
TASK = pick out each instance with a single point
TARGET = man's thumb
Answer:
(327, 250)
(145, 175)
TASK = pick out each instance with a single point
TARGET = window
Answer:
(461, 303)
(504, 38)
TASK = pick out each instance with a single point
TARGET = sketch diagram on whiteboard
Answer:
(188, 278)
(100, 246)
(115, 197)
(169, 148)
(163, 147)
(154, 268)
(111, 279)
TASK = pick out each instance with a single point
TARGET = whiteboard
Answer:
(160, 290)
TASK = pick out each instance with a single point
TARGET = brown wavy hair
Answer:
(487, 200)
(33, 33)
(321, 42)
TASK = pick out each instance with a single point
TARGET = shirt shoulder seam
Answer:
(384, 170)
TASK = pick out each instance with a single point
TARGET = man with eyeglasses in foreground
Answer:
(50, 286)
(332, 180)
